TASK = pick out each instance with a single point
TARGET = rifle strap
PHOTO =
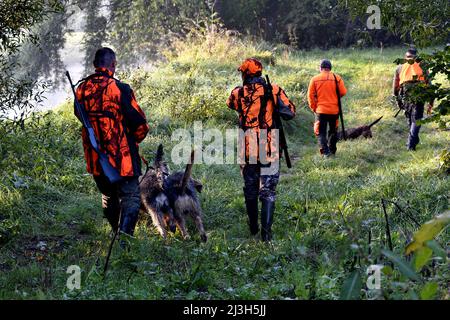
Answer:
(263, 108)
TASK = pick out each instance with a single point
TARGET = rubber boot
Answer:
(111, 211)
(252, 212)
(128, 223)
(113, 219)
(267, 210)
(325, 152)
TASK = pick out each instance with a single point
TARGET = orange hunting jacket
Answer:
(118, 122)
(322, 96)
(249, 101)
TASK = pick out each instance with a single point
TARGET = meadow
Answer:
(329, 219)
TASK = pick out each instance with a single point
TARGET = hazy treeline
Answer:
(33, 32)
(301, 24)
(142, 27)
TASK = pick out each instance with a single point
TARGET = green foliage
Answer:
(438, 64)
(18, 20)
(351, 289)
(95, 32)
(428, 232)
(422, 22)
(429, 291)
(445, 161)
(404, 267)
(301, 24)
(412, 275)
(422, 257)
(325, 208)
(158, 24)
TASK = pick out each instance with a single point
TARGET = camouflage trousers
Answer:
(257, 185)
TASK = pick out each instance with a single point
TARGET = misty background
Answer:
(141, 30)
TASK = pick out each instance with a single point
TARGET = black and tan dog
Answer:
(182, 192)
(355, 133)
(154, 201)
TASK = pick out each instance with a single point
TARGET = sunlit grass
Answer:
(311, 253)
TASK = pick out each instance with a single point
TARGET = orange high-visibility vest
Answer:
(411, 72)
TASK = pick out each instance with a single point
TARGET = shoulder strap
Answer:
(338, 92)
(263, 109)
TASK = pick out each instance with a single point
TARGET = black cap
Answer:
(325, 64)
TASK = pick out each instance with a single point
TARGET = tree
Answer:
(95, 32)
(141, 27)
(17, 19)
(420, 21)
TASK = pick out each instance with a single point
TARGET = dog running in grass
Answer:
(362, 131)
(182, 191)
(154, 201)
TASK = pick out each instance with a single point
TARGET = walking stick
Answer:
(111, 245)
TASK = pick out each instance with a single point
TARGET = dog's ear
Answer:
(198, 185)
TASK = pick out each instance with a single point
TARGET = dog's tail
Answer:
(375, 122)
(159, 156)
(187, 174)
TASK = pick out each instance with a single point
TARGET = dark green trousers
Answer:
(122, 197)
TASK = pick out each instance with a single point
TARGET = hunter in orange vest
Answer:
(323, 101)
(406, 77)
(119, 125)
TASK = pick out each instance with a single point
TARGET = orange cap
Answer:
(251, 67)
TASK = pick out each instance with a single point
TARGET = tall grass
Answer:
(324, 209)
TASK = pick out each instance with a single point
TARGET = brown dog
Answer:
(355, 133)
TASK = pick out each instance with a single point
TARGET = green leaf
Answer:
(437, 249)
(351, 289)
(403, 266)
(428, 232)
(421, 258)
(387, 270)
(429, 291)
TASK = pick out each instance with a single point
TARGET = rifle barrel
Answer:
(279, 124)
(109, 171)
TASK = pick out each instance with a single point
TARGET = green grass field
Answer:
(51, 218)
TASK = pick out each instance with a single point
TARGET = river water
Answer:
(72, 56)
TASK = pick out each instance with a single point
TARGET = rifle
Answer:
(279, 124)
(341, 114)
(109, 171)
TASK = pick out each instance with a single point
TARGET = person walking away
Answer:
(406, 78)
(323, 101)
(119, 125)
(256, 113)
